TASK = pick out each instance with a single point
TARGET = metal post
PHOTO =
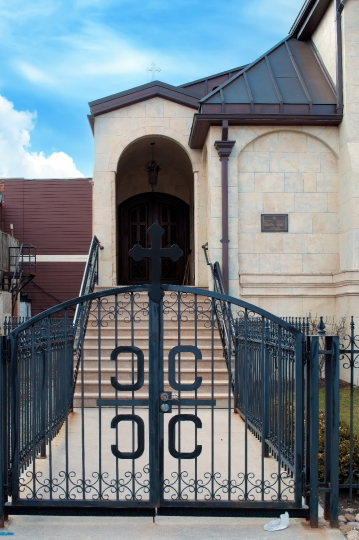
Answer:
(155, 357)
(3, 461)
(332, 420)
(43, 403)
(266, 375)
(314, 430)
(298, 462)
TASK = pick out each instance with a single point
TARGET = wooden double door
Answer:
(136, 215)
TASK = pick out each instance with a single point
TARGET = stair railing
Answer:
(89, 280)
(224, 317)
(23, 263)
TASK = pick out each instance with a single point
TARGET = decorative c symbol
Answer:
(172, 436)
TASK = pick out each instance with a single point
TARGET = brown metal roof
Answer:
(287, 85)
(180, 95)
(204, 86)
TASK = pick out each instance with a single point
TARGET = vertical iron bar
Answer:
(351, 404)
(83, 456)
(196, 396)
(116, 391)
(3, 434)
(333, 344)
(280, 410)
(264, 400)
(297, 403)
(314, 429)
(66, 408)
(307, 418)
(155, 339)
(99, 378)
(245, 377)
(212, 396)
(226, 322)
(15, 414)
(42, 411)
(328, 425)
(133, 397)
(51, 379)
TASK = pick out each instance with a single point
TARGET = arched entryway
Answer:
(135, 216)
(171, 204)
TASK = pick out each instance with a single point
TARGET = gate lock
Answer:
(166, 402)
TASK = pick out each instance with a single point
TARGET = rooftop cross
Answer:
(156, 253)
(153, 70)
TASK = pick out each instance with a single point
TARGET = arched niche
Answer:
(175, 178)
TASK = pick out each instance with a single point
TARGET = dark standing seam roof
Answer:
(288, 79)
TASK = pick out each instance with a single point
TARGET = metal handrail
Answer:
(90, 278)
(224, 315)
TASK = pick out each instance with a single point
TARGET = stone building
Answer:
(275, 140)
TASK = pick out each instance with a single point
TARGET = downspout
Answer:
(224, 149)
(339, 6)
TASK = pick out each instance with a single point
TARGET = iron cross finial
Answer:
(153, 70)
(156, 253)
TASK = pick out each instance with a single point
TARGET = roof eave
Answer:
(142, 93)
(308, 18)
(202, 122)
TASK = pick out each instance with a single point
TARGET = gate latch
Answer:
(166, 402)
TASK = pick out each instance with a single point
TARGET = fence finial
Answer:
(321, 327)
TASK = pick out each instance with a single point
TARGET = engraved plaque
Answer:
(274, 222)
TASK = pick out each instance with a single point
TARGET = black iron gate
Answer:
(158, 419)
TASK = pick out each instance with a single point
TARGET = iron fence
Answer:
(37, 366)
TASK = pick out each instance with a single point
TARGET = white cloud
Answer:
(34, 74)
(15, 158)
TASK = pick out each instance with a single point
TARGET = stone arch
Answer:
(130, 138)
(290, 129)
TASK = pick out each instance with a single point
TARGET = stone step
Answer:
(106, 386)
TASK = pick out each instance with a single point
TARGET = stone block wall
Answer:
(324, 39)
(295, 174)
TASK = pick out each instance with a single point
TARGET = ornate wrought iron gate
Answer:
(151, 422)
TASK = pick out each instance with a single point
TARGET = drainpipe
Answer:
(224, 149)
(339, 6)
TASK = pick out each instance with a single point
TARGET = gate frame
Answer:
(201, 507)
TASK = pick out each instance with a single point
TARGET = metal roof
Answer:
(287, 85)
(287, 79)
(184, 96)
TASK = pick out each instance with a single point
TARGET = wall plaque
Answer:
(274, 222)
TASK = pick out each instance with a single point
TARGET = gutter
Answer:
(339, 7)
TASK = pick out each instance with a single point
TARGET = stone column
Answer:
(224, 149)
(104, 225)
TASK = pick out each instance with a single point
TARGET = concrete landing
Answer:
(165, 528)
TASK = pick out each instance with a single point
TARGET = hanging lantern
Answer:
(152, 169)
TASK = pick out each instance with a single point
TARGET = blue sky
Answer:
(56, 56)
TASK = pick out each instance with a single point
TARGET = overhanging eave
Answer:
(202, 122)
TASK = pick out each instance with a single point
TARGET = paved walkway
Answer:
(165, 528)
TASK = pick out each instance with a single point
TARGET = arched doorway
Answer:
(135, 216)
(174, 189)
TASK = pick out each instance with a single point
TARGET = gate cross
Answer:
(156, 253)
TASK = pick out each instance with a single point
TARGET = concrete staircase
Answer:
(190, 330)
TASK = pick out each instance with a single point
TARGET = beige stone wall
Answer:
(276, 170)
(325, 41)
(115, 132)
(295, 174)
(347, 301)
